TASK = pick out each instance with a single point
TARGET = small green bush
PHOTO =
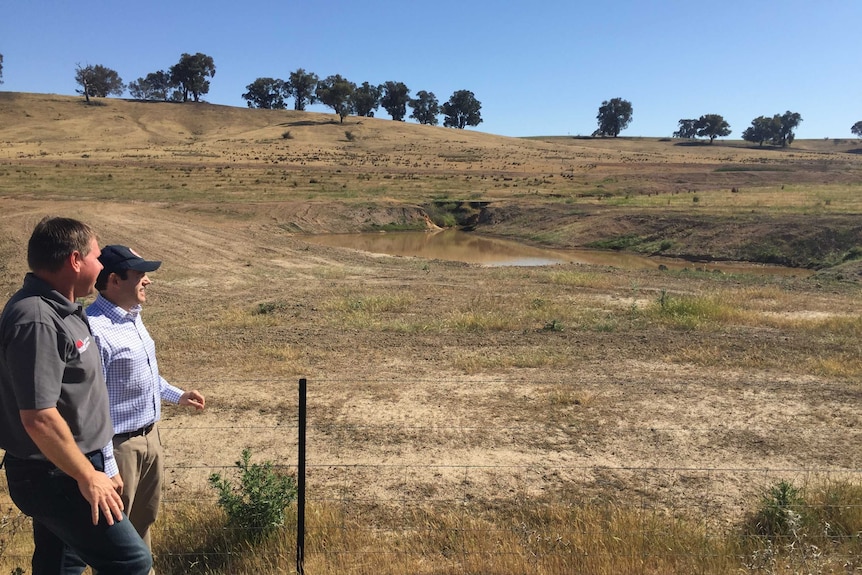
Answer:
(781, 512)
(256, 506)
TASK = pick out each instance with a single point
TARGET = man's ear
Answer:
(76, 260)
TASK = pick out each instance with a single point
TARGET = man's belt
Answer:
(136, 433)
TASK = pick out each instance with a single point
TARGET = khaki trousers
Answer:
(141, 465)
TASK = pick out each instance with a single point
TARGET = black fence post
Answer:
(300, 483)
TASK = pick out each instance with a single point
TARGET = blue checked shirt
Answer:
(135, 388)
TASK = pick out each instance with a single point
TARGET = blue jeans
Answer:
(66, 539)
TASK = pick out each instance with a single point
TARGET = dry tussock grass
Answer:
(575, 376)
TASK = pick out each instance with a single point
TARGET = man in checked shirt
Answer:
(135, 388)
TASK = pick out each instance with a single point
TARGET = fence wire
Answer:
(436, 509)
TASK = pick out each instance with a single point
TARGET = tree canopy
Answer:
(190, 75)
(426, 108)
(98, 81)
(336, 92)
(614, 116)
(462, 110)
(712, 126)
(365, 99)
(687, 129)
(1, 68)
(394, 99)
(266, 93)
(787, 123)
(761, 130)
(778, 129)
(301, 85)
(156, 86)
(857, 128)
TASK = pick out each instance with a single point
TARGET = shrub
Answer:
(256, 506)
(781, 511)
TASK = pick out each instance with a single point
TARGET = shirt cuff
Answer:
(171, 393)
(111, 468)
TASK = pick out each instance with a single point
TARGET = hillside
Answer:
(796, 206)
(436, 386)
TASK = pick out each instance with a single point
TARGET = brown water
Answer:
(469, 247)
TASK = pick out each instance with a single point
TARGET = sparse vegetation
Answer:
(559, 419)
(255, 506)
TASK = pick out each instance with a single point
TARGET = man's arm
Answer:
(173, 394)
(51, 434)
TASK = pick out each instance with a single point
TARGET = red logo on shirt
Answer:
(82, 345)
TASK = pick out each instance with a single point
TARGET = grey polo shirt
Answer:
(48, 358)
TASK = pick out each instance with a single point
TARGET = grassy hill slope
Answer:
(312, 173)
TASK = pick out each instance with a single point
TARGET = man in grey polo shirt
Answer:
(54, 421)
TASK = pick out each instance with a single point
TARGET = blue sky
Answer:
(541, 67)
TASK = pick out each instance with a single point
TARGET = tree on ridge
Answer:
(98, 81)
(614, 116)
(394, 99)
(336, 92)
(190, 75)
(301, 85)
(155, 86)
(462, 109)
(265, 93)
(426, 108)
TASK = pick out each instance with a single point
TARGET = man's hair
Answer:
(102, 280)
(54, 239)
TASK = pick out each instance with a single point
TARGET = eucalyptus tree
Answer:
(394, 99)
(336, 92)
(426, 108)
(614, 116)
(712, 126)
(366, 98)
(155, 86)
(778, 129)
(462, 110)
(266, 93)
(301, 85)
(190, 75)
(687, 129)
(98, 81)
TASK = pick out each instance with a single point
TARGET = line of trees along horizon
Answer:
(189, 78)
(346, 98)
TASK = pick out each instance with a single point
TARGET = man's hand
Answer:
(51, 434)
(100, 490)
(118, 483)
(193, 398)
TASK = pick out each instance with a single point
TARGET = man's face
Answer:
(90, 266)
(131, 291)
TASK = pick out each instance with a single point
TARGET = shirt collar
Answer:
(36, 285)
(114, 311)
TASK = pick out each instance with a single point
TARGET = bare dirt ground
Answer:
(405, 404)
(439, 381)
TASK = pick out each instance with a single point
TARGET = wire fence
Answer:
(385, 494)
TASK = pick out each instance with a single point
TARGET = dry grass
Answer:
(666, 393)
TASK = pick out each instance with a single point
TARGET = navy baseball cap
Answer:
(115, 258)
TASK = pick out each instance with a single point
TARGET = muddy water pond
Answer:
(469, 247)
